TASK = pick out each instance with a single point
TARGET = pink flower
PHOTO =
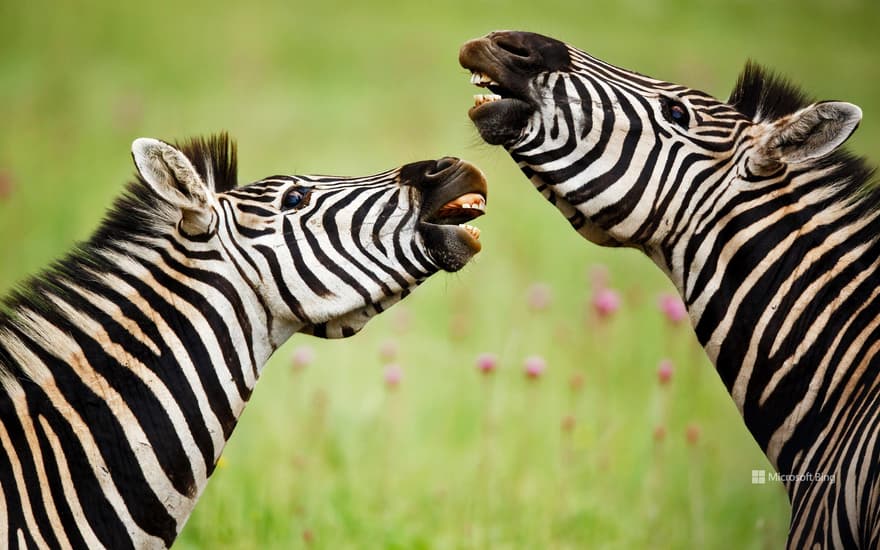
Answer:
(487, 363)
(673, 308)
(693, 434)
(606, 302)
(659, 433)
(7, 184)
(393, 376)
(388, 351)
(540, 297)
(534, 366)
(576, 382)
(664, 372)
(303, 356)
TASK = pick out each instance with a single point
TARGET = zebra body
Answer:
(125, 366)
(763, 225)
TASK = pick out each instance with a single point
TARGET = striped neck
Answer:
(771, 282)
(156, 344)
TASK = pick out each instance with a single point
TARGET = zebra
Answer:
(125, 365)
(766, 227)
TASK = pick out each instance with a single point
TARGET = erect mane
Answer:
(762, 95)
(138, 214)
(215, 159)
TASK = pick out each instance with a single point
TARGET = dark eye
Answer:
(676, 113)
(295, 197)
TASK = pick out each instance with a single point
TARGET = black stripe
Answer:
(333, 234)
(13, 504)
(139, 499)
(145, 406)
(289, 299)
(163, 366)
(358, 220)
(56, 487)
(302, 268)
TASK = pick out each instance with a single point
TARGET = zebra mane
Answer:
(215, 159)
(137, 214)
(763, 95)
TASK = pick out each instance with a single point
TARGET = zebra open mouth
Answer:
(507, 64)
(446, 209)
(502, 115)
(460, 210)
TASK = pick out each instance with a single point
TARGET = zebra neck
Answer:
(784, 298)
(140, 361)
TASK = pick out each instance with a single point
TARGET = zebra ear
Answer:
(174, 178)
(812, 132)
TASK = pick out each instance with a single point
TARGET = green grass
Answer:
(449, 459)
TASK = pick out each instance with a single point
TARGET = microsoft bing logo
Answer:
(759, 477)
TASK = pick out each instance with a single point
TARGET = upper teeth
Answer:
(479, 205)
(482, 79)
(469, 201)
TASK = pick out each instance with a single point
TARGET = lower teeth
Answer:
(475, 232)
(479, 99)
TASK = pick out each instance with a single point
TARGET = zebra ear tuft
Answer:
(174, 178)
(812, 132)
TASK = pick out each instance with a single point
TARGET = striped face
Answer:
(326, 253)
(598, 141)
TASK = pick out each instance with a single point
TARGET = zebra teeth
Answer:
(473, 231)
(470, 201)
(480, 99)
(481, 79)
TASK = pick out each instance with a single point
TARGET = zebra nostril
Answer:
(442, 165)
(512, 46)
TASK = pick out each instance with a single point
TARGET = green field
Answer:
(327, 456)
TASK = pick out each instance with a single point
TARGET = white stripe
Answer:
(69, 488)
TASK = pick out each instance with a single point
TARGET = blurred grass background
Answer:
(327, 456)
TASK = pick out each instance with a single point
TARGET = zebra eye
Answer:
(675, 112)
(294, 197)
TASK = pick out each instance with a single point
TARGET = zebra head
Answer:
(322, 254)
(619, 153)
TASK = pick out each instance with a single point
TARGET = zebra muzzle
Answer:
(448, 207)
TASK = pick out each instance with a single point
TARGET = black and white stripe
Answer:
(125, 366)
(761, 222)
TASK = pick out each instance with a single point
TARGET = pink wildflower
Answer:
(303, 356)
(7, 184)
(659, 433)
(534, 366)
(673, 308)
(664, 372)
(606, 302)
(693, 434)
(487, 363)
(388, 351)
(393, 376)
(540, 296)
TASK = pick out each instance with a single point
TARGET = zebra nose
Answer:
(529, 51)
(514, 43)
(443, 165)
